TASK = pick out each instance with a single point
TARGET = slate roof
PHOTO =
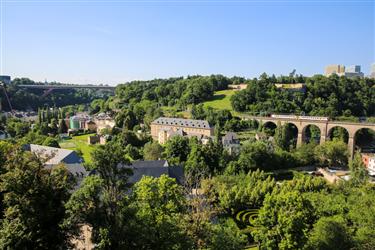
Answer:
(56, 155)
(155, 169)
(230, 136)
(182, 122)
(149, 164)
(75, 169)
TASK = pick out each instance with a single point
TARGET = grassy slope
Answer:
(221, 100)
(79, 142)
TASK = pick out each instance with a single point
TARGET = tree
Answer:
(198, 112)
(227, 236)
(361, 215)
(34, 199)
(17, 128)
(329, 233)
(235, 192)
(126, 119)
(177, 149)
(63, 128)
(152, 151)
(160, 204)
(102, 200)
(283, 221)
(133, 153)
(51, 142)
(280, 136)
(5, 149)
(305, 154)
(332, 154)
(196, 162)
(254, 155)
(54, 126)
(358, 172)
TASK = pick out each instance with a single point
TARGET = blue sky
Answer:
(117, 41)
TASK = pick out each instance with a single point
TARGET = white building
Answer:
(372, 71)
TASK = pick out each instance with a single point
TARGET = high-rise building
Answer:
(334, 69)
(5, 79)
(353, 71)
(341, 70)
(372, 71)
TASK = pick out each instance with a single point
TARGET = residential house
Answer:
(103, 121)
(231, 143)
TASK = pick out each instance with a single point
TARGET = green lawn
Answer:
(221, 100)
(246, 135)
(79, 142)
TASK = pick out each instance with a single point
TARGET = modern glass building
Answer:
(5, 79)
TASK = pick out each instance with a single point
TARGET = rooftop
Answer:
(154, 169)
(149, 164)
(182, 122)
(52, 155)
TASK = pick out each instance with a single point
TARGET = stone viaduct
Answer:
(324, 124)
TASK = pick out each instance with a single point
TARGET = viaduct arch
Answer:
(323, 123)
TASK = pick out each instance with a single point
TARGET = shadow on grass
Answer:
(217, 97)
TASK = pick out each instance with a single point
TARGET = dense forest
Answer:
(322, 96)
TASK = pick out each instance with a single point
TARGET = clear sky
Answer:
(116, 41)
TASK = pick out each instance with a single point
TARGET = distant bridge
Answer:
(50, 87)
(64, 86)
(324, 124)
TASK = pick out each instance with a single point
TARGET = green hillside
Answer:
(221, 100)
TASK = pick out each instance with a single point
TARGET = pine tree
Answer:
(62, 127)
(358, 173)
(40, 116)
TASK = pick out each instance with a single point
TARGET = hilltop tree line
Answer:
(324, 96)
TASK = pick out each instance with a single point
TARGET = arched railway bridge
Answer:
(324, 124)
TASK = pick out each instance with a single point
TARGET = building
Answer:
(369, 162)
(334, 69)
(372, 71)
(103, 121)
(353, 71)
(101, 139)
(90, 125)
(231, 143)
(341, 70)
(93, 139)
(293, 87)
(54, 156)
(5, 79)
(241, 86)
(78, 122)
(4, 135)
(154, 169)
(164, 128)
